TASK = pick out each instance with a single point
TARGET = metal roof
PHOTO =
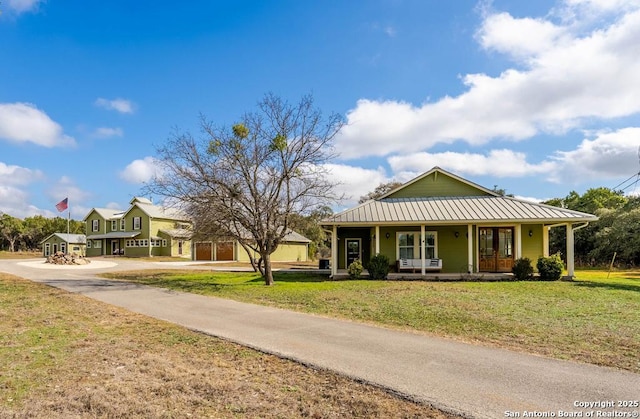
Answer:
(178, 233)
(294, 236)
(156, 211)
(454, 210)
(69, 238)
(106, 213)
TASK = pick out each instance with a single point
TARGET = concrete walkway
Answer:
(471, 380)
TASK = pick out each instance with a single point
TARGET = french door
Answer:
(496, 249)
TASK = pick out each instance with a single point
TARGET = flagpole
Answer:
(68, 222)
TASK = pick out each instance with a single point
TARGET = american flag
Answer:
(62, 205)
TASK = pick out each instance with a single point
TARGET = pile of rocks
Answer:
(60, 258)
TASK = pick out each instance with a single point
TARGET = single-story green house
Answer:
(65, 243)
(440, 222)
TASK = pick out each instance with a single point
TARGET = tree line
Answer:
(616, 232)
(26, 234)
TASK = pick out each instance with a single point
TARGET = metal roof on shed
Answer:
(452, 210)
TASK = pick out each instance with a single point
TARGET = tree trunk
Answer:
(260, 266)
(268, 273)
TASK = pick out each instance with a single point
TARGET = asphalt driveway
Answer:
(471, 380)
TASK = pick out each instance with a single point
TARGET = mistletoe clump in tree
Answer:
(248, 182)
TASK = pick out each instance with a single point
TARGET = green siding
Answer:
(532, 247)
(438, 184)
(451, 249)
(144, 223)
(288, 252)
(55, 240)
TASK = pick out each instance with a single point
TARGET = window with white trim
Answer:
(97, 244)
(430, 245)
(114, 225)
(89, 244)
(95, 225)
(408, 245)
(122, 224)
(137, 223)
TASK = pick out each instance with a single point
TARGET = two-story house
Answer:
(144, 229)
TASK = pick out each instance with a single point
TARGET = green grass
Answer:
(592, 319)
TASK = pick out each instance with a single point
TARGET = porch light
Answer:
(457, 234)
(530, 233)
(387, 235)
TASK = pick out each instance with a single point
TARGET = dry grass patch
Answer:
(20, 255)
(66, 356)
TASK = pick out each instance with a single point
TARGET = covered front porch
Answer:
(445, 251)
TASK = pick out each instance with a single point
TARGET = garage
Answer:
(224, 251)
(204, 251)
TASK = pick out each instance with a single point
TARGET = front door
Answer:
(115, 249)
(353, 250)
(496, 249)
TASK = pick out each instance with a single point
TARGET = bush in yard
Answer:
(522, 269)
(378, 267)
(550, 268)
(355, 269)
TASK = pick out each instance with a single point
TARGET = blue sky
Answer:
(539, 98)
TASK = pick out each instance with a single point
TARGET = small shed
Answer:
(65, 243)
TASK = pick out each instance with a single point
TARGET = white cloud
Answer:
(355, 182)
(106, 132)
(610, 155)
(520, 38)
(16, 175)
(13, 201)
(571, 79)
(119, 105)
(141, 170)
(65, 187)
(497, 163)
(13, 198)
(23, 122)
(390, 31)
(23, 6)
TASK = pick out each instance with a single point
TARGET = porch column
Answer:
(470, 267)
(422, 252)
(518, 241)
(377, 234)
(545, 241)
(570, 251)
(334, 251)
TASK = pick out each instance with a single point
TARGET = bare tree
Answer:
(246, 182)
(380, 190)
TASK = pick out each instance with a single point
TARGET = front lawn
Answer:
(592, 319)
